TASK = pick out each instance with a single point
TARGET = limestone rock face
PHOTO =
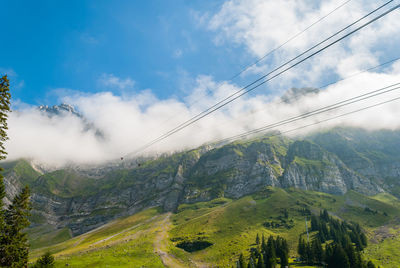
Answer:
(334, 161)
(312, 168)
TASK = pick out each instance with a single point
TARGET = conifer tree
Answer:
(328, 252)
(325, 215)
(364, 240)
(284, 259)
(4, 110)
(351, 254)
(257, 239)
(301, 248)
(339, 258)
(314, 223)
(251, 263)
(309, 255)
(2, 223)
(260, 262)
(317, 251)
(241, 263)
(46, 261)
(270, 254)
(15, 241)
(325, 232)
(263, 245)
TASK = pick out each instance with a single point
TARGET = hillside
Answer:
(333, 161)
(229, 227)
(340, 162)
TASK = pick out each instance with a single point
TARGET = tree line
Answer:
(343, 244)
(267, 254)
(335, 244)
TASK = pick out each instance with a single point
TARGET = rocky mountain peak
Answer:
(61, 109)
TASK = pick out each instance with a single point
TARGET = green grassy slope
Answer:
(126, 242)
(149, 238)
(22, 169)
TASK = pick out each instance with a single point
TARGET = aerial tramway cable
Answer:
(246, 89)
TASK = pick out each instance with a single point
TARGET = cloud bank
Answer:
(259, 26)
(130, 121)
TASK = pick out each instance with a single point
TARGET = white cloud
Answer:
(112, 81)
(262, 25)
(131, 121)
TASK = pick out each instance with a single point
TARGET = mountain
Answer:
(334, 161)
(65, 109)
(57, 110)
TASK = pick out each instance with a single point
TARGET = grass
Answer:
(22, 169)
(386, 253)
(135, 253)
(85, 241)
(230, 225)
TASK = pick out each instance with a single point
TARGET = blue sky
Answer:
(72, 44)
(55, 48)
(137, 69)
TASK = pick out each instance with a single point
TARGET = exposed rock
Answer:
(85, 199)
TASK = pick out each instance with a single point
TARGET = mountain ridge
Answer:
(67, 198)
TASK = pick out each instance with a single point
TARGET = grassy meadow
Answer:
(150, 238)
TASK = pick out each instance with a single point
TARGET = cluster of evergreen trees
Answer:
(332, 229)
(267, 254)
(345, 242)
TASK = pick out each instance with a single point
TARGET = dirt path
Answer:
(160, 245)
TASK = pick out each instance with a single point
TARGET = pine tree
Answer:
(315, 226)
(241, 263)
(339, 258)
(4, 110)
(325, 231)
(257, 239)
(285, 213)
(317, 251)
(328, 252)
(251, 263)
(270, 254)
(46, 261)
(284, 259)
(260, 262)
(2, 223)
(364, 240)
(263, 245)
(15, 242)
(325, 215)
(353, 258)
(301, 249)
(309, 255)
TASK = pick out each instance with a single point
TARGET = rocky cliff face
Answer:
(312, 168)
(82, 202)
